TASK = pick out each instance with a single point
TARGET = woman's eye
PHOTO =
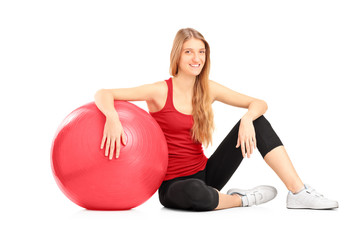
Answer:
(188, 51)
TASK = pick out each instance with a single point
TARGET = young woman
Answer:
(182, 107)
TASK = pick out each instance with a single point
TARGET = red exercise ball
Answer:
(90, 179)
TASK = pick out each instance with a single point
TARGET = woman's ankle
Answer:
(238, 199)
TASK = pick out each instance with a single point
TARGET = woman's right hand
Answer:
(113, 131)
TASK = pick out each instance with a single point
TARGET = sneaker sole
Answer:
(313, 208)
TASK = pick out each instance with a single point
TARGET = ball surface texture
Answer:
(89, 179)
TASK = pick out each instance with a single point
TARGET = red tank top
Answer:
(186, 157)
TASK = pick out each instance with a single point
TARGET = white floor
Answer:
(35, 213)
(63, 220)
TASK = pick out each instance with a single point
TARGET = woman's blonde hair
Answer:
(201, 103)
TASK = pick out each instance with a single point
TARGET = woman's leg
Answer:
(279, 161)
(300, 195)
(228, 201)
(225, 160)
(203, 193)
(188, 193)
(194, 194)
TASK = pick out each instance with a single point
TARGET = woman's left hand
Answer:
(246, 137)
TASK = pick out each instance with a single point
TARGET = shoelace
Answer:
(312, 191)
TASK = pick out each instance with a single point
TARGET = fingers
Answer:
(103, 142)
(107, 146)
(112, 136)
(254, 141)
(110, 146)
(247, 146)
(238, 142)
(117, 147)
(246, 138)
(123, 138)
(243, 148)
(247, 142)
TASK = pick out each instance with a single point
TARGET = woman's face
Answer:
(192, 58)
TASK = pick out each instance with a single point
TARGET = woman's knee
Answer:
(200, 196)
(261, 121)
(266, 137)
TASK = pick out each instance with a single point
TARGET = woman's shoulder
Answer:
(213, 86)
(217, 89)
(160, 86)
(159, 99)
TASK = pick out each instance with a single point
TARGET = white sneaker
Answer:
(308, 198)
(255, 196)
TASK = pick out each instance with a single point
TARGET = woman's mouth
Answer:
(195, 66)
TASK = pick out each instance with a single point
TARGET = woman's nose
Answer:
(196, 58)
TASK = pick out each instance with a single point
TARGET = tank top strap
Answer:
(169, 98)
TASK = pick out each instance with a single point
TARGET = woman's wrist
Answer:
(255, 110)
(248, 117)
(111, 115)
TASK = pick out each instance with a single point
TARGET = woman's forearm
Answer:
(105, 102)
(255, 110)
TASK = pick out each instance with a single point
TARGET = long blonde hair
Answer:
(201, 103)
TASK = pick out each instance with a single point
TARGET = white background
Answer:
(301, 57)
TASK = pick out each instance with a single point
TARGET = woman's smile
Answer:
(195, 66)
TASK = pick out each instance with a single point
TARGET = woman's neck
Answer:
(184, 84)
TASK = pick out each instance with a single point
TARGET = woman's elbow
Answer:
(99, 92)
(264, 104)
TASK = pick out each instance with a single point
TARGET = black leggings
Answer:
(197, 192)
